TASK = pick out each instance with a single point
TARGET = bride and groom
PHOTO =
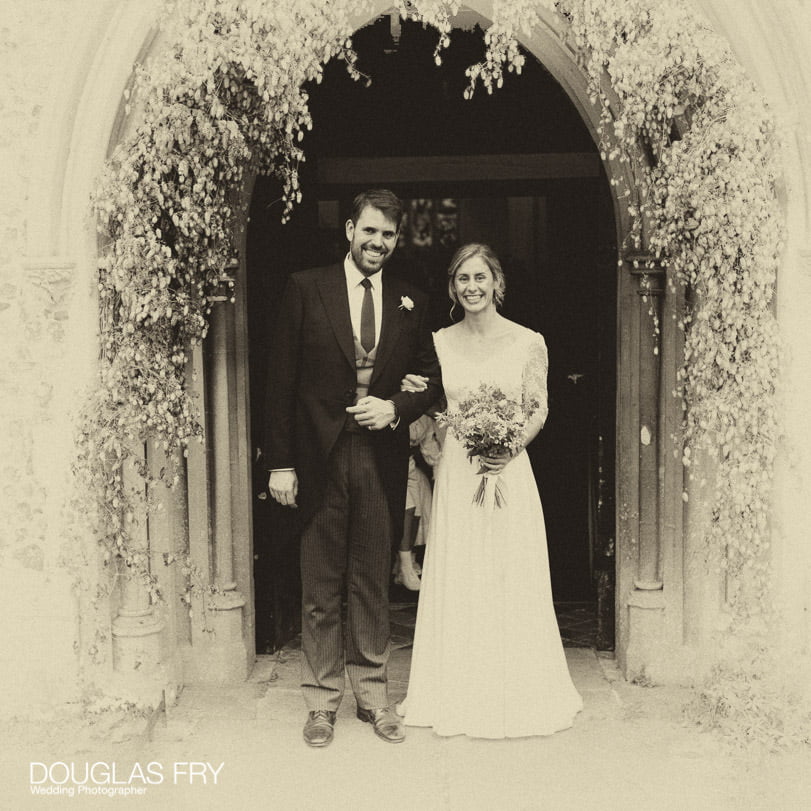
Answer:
(354, 364)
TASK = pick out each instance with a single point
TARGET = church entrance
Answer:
(517, 170)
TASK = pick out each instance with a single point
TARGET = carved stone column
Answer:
(168, 541)
(645, 600)
(651, 290)
(228, 658)
(136, 628)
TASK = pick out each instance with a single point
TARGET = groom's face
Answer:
(372, 240)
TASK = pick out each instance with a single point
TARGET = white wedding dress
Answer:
(487, 660)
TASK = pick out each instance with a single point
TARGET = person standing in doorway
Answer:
(337, 444)
(486, 622)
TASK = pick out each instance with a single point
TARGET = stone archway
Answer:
(212, 507)
(650, 532)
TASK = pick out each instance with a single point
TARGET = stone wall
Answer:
(52, 80)
(771, 40)
(36, 297)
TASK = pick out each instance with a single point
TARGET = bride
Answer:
(487, 661)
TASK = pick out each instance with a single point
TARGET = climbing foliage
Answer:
(690, 138)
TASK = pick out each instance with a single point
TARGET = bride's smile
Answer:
(474, 285)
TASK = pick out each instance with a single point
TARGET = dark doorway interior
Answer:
(516, 169)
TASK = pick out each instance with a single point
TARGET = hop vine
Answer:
(226, 98)
(671, 92)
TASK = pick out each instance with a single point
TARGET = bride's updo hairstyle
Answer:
(486, 254)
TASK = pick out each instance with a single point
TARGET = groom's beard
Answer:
(365, 262)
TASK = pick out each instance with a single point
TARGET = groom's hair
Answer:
(383, 200)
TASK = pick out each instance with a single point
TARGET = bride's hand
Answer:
(414, 383)
(495, 462)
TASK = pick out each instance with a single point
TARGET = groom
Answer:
(337, 440)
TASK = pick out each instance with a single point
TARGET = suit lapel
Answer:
(332, 288)
(391, 325)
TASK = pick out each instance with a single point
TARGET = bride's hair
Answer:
(487, 255)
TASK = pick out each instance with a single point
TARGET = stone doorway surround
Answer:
(661, 617)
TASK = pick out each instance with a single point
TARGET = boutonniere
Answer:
(406, 303)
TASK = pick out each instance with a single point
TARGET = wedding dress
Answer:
(487, 660)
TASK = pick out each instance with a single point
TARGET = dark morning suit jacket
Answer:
(313, 378)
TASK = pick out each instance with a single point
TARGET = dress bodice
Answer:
(516, 361)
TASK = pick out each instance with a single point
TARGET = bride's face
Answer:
(474, 285)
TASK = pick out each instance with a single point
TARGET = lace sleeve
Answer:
(535, 371)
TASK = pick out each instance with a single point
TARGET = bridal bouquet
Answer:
(487, 421)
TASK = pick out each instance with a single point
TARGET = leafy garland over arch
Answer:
(227, 98)
(706, 201)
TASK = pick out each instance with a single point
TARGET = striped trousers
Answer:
(347, 546)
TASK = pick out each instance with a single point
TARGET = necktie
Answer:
(367, 318)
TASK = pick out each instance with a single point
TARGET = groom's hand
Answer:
(373, 413)
(283, 486)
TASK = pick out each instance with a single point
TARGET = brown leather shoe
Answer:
(320, 726)
(386, 722)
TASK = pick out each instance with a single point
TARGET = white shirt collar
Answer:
(354, 277)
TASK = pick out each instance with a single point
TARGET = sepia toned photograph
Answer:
(406, 405)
